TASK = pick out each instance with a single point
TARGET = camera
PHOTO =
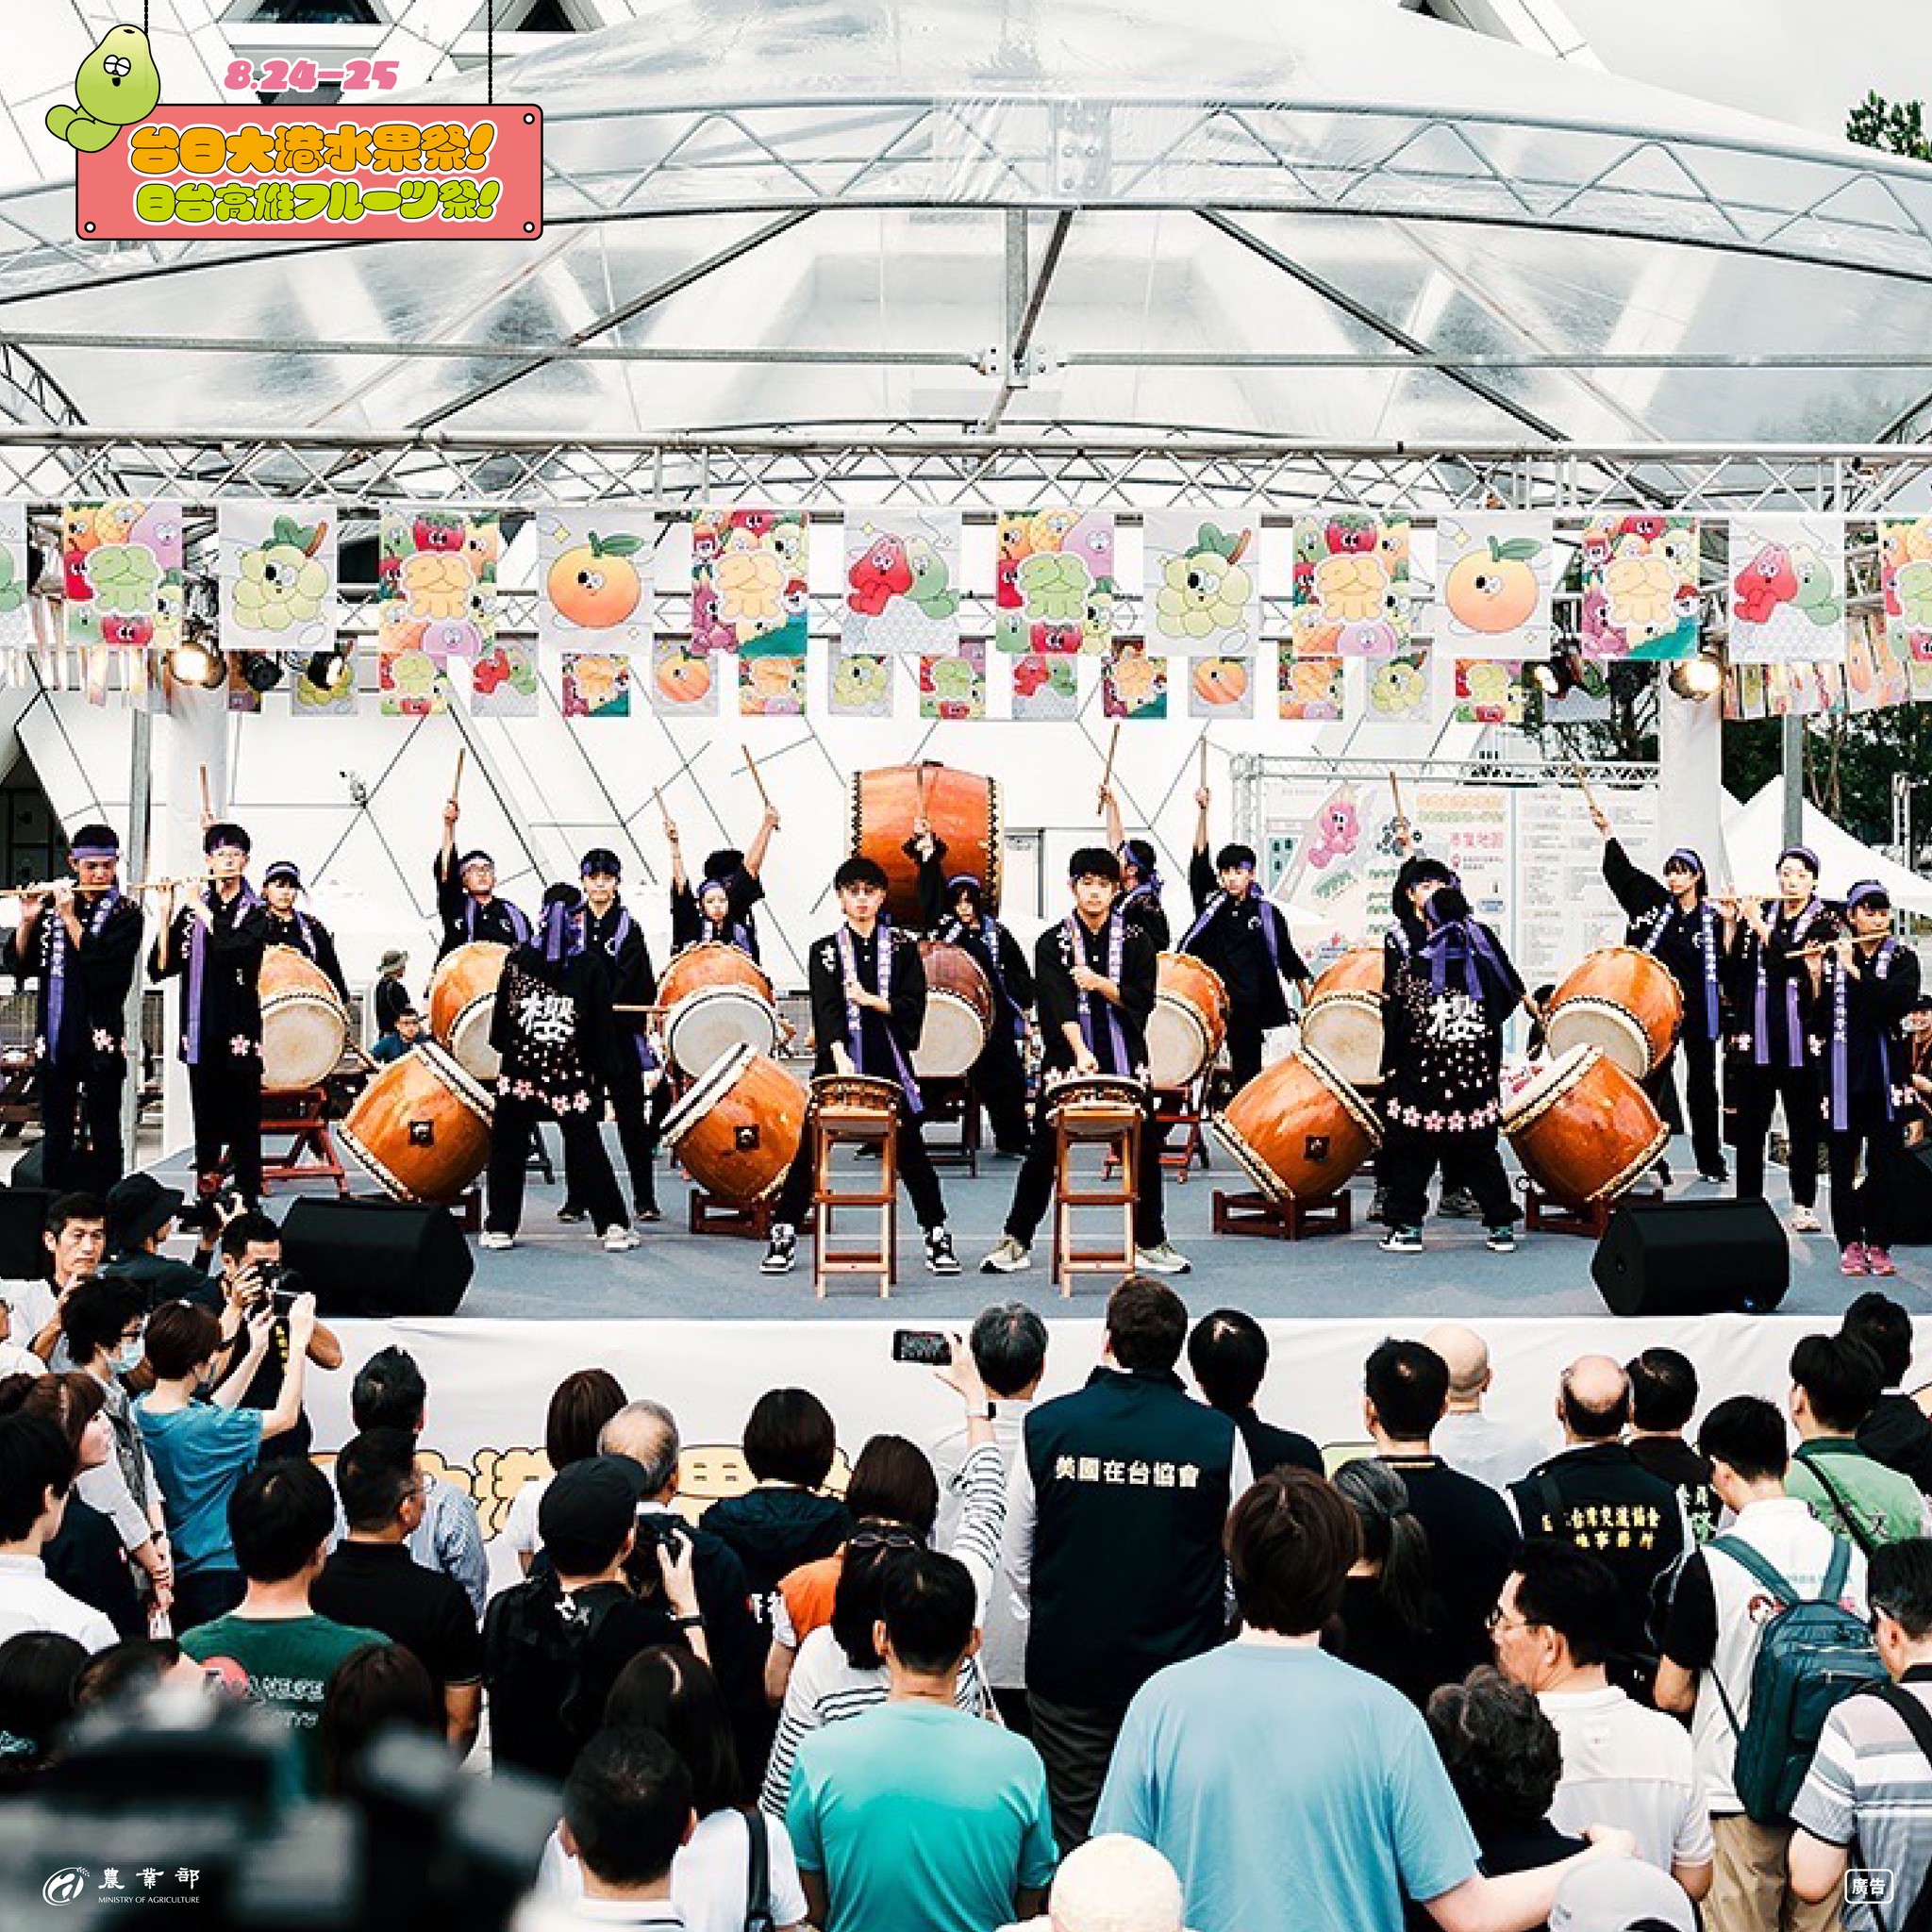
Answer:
(656, 1531)
(279, 1283)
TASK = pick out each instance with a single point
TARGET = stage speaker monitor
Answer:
(23, 1253)
(377, 1258)
(1692, 1257)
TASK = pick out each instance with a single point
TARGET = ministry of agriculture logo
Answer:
(65, 1886)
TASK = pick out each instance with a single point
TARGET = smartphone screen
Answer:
(927, 1346)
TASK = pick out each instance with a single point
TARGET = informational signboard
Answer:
(1563, 908)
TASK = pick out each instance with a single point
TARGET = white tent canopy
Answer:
(1754, 836)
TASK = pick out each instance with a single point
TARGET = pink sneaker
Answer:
(1879, 1261)
(1852, 1261)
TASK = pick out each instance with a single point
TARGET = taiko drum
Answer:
(958, 1011)
(1187, 1024)
(304, 1027)
(1622, 1000)
(421, 1127)
(1298, 1129)
(963, 809)
(739, 1127)
(462, 1002)
(1584, 1131)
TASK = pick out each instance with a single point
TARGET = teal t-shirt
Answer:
(283, 1664)
(1292, 1793)
(1886, 1503)
(200, 1453)
(921, 1819)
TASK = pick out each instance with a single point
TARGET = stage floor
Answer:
(558, 1272)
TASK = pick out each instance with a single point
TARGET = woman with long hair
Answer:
(1391, 1619)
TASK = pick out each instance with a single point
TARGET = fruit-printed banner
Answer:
(1204, 584)
(413, 684)
(902, 582)
(860, 684)
(1640, 587)
(952, 687)
(277, 566)
(1352, 584)
(1904, 580)
(1398, 689)
(1582, 696)
(1056, 590)
(437, 569)
(1046, 689)
(332, 698)
(122, 562)
(1314, 687)
(1222, 687)
(770, 685)
(1788, 588)
(16, 621)
(1133, 685)
(684, 681)
(503, 681)
(1492, 584)
(1489, 690)
(594, 567)
(596, 684)
(748, 581)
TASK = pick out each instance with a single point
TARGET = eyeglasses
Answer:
(1496, 1620)
(883, 1540)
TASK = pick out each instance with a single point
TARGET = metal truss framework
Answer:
(834, 464)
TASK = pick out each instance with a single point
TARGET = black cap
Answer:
(587, 1512)
(139, 1206)
(225, 832)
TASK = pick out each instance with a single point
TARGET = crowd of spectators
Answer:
(1133, 1658)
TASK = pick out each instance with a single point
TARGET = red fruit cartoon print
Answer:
(881, 575)
(1764, 583)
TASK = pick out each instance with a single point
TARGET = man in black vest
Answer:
(1239, 932)
(466, 900)
(1114, 1518)
(1595, 1493)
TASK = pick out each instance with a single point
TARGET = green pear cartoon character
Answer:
(118, 85)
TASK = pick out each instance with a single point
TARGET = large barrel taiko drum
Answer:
(739, 1127)
(1622, 1000)
(1187, 1024)
(958, 1013)
(1342, 1021)
(715, 997)
(463, 1003)
(1584, 1131)
(304, 1026)
(963, 809)
(421, 1127)
(1298, 1129)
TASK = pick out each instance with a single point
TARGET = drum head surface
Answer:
(710, 1088)
(302, 1040)
(703, 1027)
(1591, 1021)
(1549, 1086)
(1346, 1030)
(952, 1040)
(469, 1039)
(1177, 1043)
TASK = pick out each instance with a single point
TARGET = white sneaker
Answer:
(939, 1257)
(495, 1238)
(1161, 1260)
(618, 1240)
(781, 1255)
(1009, 1257)
(1806, 1221)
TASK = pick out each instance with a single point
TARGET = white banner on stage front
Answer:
(489, 1381)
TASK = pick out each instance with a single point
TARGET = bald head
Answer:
(1115, 1884)
(646, 1433)
(1594, 1399)
(1468, 1356)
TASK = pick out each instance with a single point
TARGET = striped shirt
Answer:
(826, 1688)
(1870, 1782)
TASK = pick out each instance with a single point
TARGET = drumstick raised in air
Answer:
(456, 784)
(1583, 786)
(1113, 744)
(751, 765)
(208, 810)
(1395, 792)
(1201, 775)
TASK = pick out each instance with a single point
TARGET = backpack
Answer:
(535, 1634)
(1810, 1656)
(758, 1877)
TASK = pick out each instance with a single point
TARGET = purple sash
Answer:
(1660, 919)
(1794, 1031)
(54, 936)
(1215, 903)
(197, 960)
(1841, 1043)
(1074, 948)
(1462, 942)
(519, 920)
(855, 1028)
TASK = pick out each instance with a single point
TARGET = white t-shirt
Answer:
(706, 1876)
(30, 1306)
(1629, 1767)
(29, 1601)
(520, 1525)
(20, 1362)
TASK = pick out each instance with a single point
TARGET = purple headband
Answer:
(1866, 889)
(1683, 857)
(1804, 852)
(94, 852)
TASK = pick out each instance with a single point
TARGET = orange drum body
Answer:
(1584, 1131)
(1621, 1000)
(715, 997)
(1342, 1021)
(963, 809)
(421, 1129)
(1298, 1129)
(462, 1002)
(958, 1013)
(1187, 1024)
(303, 1028)
(739, 1127)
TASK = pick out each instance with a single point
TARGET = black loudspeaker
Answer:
(1692, 1257)
(1913, 1202)
(377, 1258)
(22, 1220)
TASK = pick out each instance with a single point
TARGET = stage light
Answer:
(1697, 678)
(1549, 679)
(192, 662)
(260, 670)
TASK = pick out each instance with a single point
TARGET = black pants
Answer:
(1244, 1037)
(226, 1097)
(1866, 1211)
(915, 1170)
(203, 1596)
(1033, 1188)
(999, 1085)
(1468, 1161)
(1075, 1746)
(587, 1176)
(1761, 1089)
(1698, 1057)
(71, 1091)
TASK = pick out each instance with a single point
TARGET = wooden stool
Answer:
(1544, 1214)
(711, 1214)
(1282, 1221)
(1180, 1106)
(832, 1128)
(302, 1113)
(1116, 1130)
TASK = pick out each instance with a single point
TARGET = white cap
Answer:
(1115, 1884)
(1619, 1894)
